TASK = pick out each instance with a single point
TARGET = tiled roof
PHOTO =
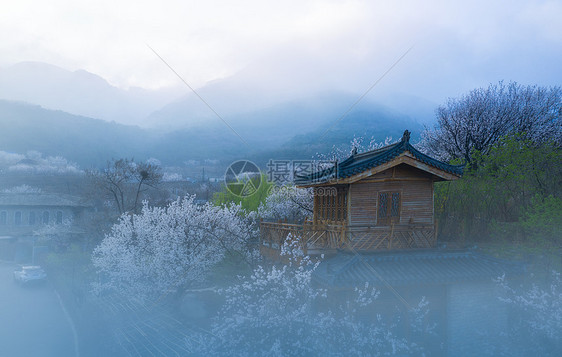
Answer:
(412, 268)
(358, 163)
(39, 199)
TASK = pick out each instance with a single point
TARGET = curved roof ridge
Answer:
(456, 169)
(368, 153)
(357, 163)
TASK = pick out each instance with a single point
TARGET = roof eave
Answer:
(392, 155)
(404, 158)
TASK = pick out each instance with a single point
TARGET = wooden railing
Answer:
(326, 235)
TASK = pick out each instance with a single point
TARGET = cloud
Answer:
(293, 45)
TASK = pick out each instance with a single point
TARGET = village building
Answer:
(22, 215)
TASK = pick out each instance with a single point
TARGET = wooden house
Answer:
(376, 200)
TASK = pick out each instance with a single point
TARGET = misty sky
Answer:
(285, 45)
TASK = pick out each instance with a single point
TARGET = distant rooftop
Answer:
(40, 199)
(412, 268)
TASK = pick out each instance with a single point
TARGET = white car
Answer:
(29, 273)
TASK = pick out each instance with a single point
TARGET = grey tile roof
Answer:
(358, 163)
(412, 268)
(39, 199)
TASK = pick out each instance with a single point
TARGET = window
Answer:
(46, 217)
(31, 218)
(389, 208)
(330, 203)
(59, 217)
(17, 218)
(395, 205)
(3, 218)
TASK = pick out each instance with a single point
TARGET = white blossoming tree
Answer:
(537, 325)
(287, 203)
(57, 235)
(278, 311)
(165, 249)
(481, 118)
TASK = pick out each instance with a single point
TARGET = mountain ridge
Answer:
(79, 92)
(91, 142)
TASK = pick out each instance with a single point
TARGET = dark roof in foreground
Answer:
(419, 267)
(40, 199)
(358, 163)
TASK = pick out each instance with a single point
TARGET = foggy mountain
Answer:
(87, 141)
(265, 125)
(91, 142)
(251, 101)
(244, 99)
(266, 122)
(275, 124)
(79, 92)
(365, 121)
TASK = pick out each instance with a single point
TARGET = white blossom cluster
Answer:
(172, 177)
(287, 203)
(278, 311)
(340, 153)
(366, 296)
(480, 118)
(540, 312)
(37, 164)
(167, 249)
(52, 230)
(58, 236)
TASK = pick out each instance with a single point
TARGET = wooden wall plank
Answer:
(416, 197)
